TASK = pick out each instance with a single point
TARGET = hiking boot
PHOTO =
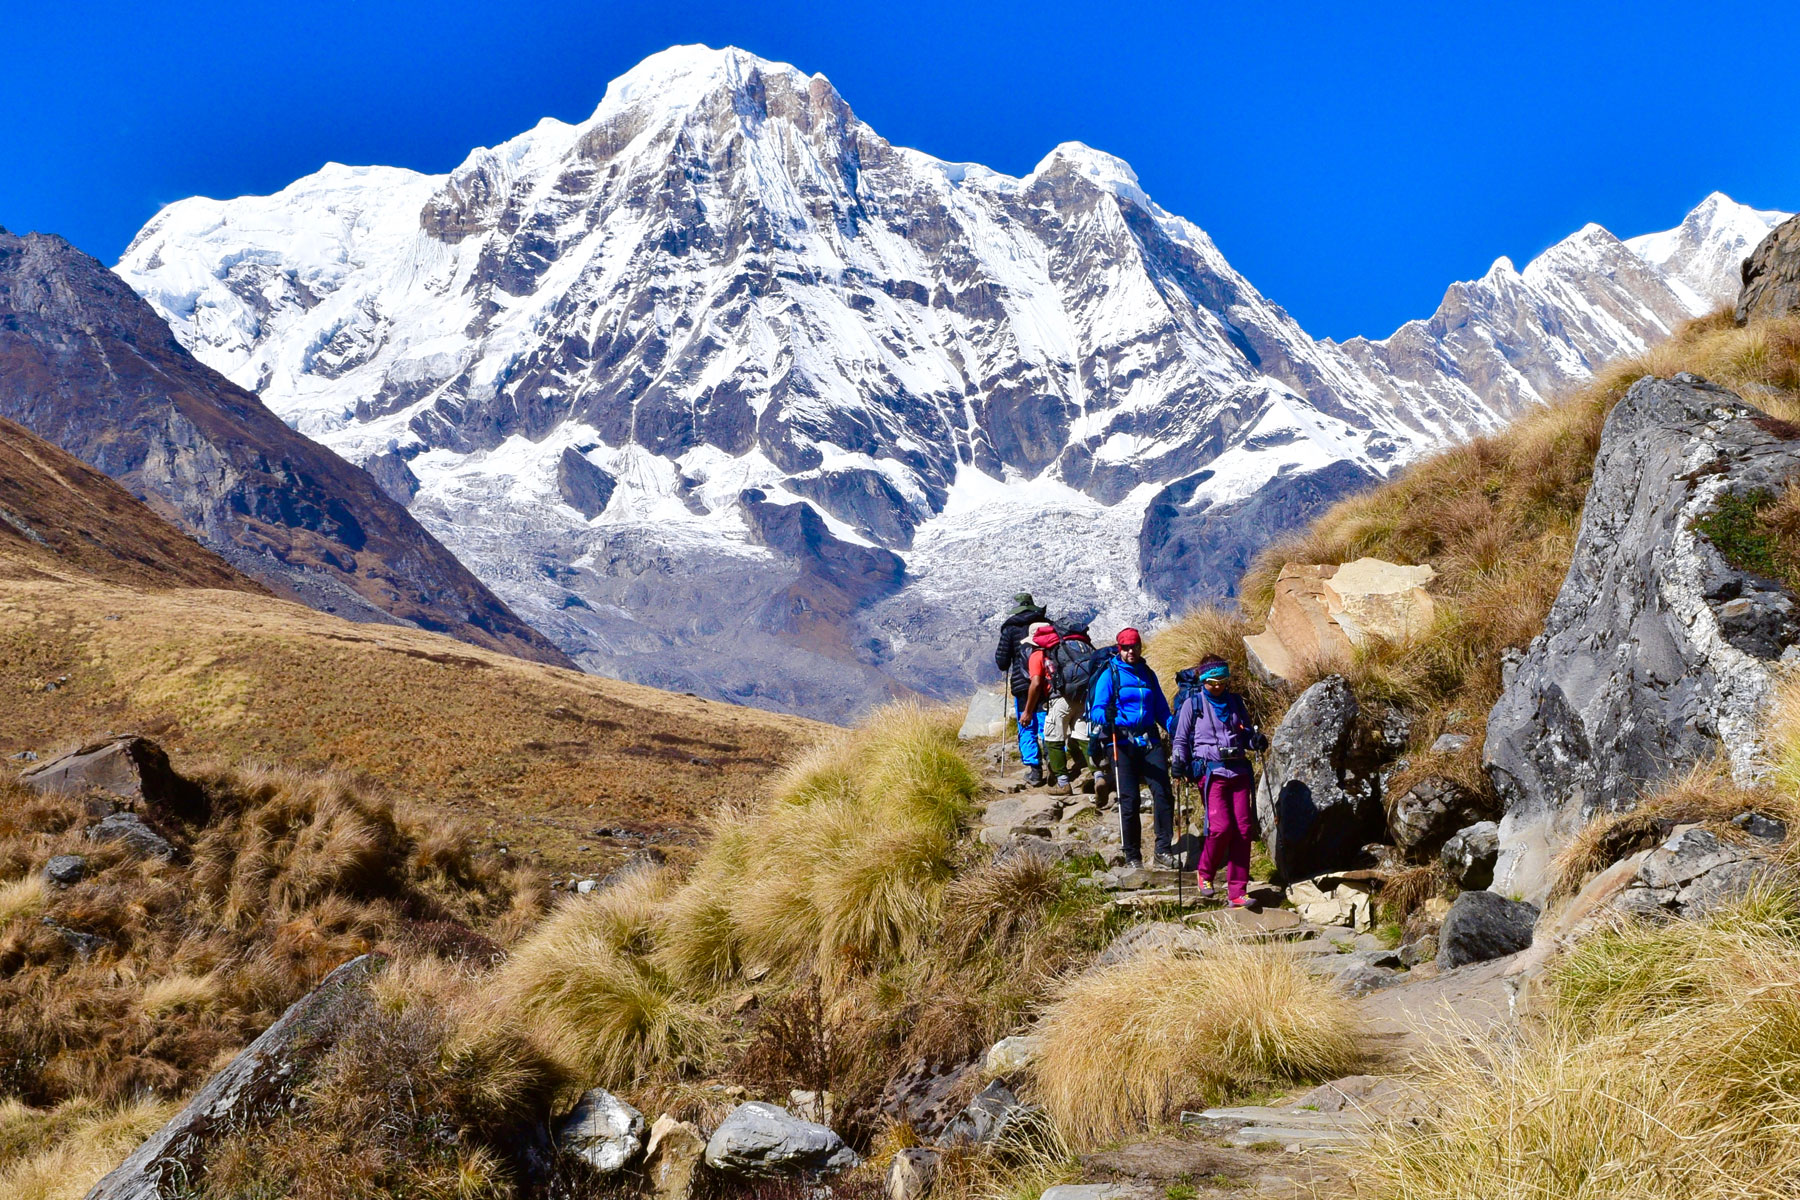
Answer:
(1062, 787)
(1103, 788)
(1034, 776)
(1168, 862)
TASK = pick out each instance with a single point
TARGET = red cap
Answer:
(1129, 637)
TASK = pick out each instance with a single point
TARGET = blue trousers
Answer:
(1031, 733)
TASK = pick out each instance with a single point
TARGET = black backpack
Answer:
(1068, 661)
(1077, 680)
(1187, 687)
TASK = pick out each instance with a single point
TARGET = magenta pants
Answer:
(1227, 833)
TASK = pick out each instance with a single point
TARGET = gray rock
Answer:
(65, 870)
(581, 485)
(85, 945)
(1647, 663)
(1010, 1055)
(602, 1130)
(1694, 874)
(912, 1173)
(253, 1085)
(1756, 825)
(759, 1139)
(1359, 972)
(1427, 813)
(1087, 1191)
(1470, 855)
(1771, 275)
(989, 1115)
(1319, 800)
(1484, 925)
(1170, 938)
(137, 837)
(393, 476)
(1449, 743)
(1684, 858)
(128, 768)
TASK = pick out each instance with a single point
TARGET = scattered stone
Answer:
(671, 1156)
(584, 886)
(1758, 826)
(1010, 1055)
(1421, 949)
(986, 717)
(1319, 802)
(1450, 743)
(1333, 904)
(258, 1081)
(1646, 664)
(1087, 1191)
(986, 1117)
(1470, 854)
(1484, 925)
(138, 838)
(85, 945)
(23, 756)
(759, 1139)
(1357, 972)
(1154, 937)
(912, 1173)
(927, 1095)
(65, 870)
(602, 1130)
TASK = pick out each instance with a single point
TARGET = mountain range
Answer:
(722, 392)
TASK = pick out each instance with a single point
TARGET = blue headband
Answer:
(1220, 671)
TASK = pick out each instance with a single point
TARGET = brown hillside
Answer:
(540, 757)
(60, 518)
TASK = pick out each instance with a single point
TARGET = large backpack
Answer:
(1068, 659)
(1187, 687)
(1077, 679)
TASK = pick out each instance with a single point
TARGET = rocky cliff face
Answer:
(723, 282)
(88, 366)
(1658, 652)
(1771, 276)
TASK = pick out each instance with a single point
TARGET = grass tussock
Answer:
(1668, 1067)
(135, 981)
(1497, 517)
(60, 1153)
(1124, 1046)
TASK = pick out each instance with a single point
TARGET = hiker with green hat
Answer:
(1011, 657)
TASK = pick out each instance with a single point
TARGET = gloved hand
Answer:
(1259, 741)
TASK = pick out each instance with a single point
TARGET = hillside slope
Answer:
(86, 364)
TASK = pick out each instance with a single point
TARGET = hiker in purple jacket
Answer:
(1213, 739)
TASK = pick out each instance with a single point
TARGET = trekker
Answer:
(1127, 711)
(1010, 657)
(1212, 742)
(1061, 741)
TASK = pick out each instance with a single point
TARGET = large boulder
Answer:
(1772, 275)
(1694, 874)
(603, 1131)
(1484, 925)
(671, 1157)
(1322, 612)
(1469, 856)
(256, 1085)
(125, 768)
(1429, 812)
(1319, 800)
(1657, 653)
(759, 1139)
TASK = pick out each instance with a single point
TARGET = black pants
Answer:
(1145, 764)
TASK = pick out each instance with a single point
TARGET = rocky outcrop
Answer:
(1484, 925)
(1470, 855)
(1772, 276)
(991, 1114)
(583, 486)
(1429, 812)
(126, 769)
(759, 1139)
(87, 365)
(1658, 651)
(671, 1157)
(1694, 874)
(253, 1086)
(1322, 612)
(1319, 800)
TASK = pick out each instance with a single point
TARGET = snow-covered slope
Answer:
(606, 362)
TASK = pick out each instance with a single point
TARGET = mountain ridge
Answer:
(723, 282)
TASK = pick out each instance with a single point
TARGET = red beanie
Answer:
(1129, 637)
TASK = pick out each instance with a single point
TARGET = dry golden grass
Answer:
(537, 758)
(23, 899)
(1668, 1069)
(60, 1153)
(1497, 517)
(1125, 1045)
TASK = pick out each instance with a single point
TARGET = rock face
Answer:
(759, 1139)
(602, 1130)
(1319, 800)
(1429, 812)
(253, 1086)
(1484, 925)
(723, 280)
(1657, 652)
(671, 1157)
(87, 365)
(989, 1115)
(1321, 613)
(1771, 276)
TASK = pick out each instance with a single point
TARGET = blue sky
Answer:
(1350, 159)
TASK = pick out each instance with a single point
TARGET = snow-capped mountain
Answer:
(724, 392)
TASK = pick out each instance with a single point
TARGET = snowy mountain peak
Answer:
(1701, 255)
(720, 376)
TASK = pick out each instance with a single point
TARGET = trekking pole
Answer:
(1181, 830)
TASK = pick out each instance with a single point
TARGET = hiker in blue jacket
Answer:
(1128, 712)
